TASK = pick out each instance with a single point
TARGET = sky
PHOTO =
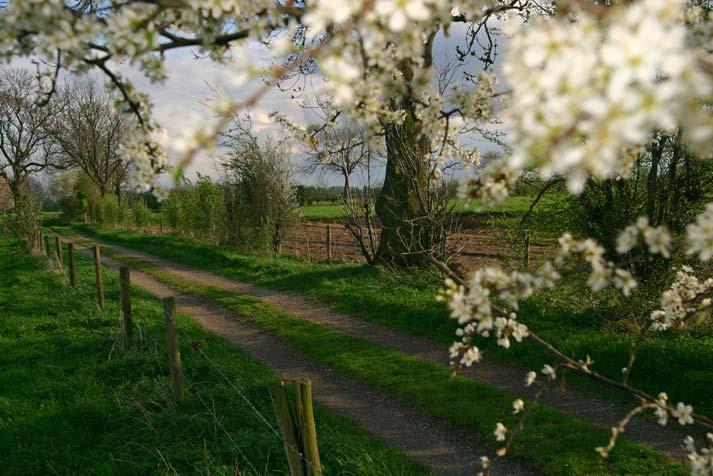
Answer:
(179, 102)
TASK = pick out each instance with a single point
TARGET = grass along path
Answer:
(680, 362)
(76, 399)
(427, 441)
(554, 443)
(600, 412)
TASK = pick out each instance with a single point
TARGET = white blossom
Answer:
(683, 413)
(586, 91)
(686, 296)
(657, 239)
(492, 185)
(700, 461)
(699, 235)
(500, 431)
(661, 410)
(471, 355)
(549, 372)
(398, 13)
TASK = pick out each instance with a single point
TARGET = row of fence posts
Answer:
(525, 256)
(295, 416)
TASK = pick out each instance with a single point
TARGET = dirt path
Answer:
(597, 411)
(447, 450)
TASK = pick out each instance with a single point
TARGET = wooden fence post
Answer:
(174, 353)
(58, 249)
(125, 285)
(526, 257)
(98, 276)
(329, 242)
(71, 265)
(48, 251)
(287, 428)
(296, 423)
(308, 431)
(309, 255)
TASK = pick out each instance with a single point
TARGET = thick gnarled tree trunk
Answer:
(402, 203)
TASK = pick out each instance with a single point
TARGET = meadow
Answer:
(578, 321)
(77, 398)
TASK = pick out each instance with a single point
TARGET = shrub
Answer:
(140, 214)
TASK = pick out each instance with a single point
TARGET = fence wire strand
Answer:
(253, 408)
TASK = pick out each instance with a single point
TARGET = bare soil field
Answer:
(479, 241)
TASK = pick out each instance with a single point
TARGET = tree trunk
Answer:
(652, 181)
(401, 205)
(102, 190)
(15, 192)
(231, 215)
(674, 187)
(117, 191)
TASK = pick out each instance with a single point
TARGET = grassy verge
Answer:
(75, 399)
(679, 362)
(553, 443)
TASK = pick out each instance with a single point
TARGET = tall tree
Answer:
(26, 147)
(88, 131)
(344, 148)
(402, 203)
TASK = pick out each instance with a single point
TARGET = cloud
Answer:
(179, 102)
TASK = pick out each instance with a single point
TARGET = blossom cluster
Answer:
(700, 461)
(368, 72)
(680, 412)
(657, 239)
(585, 91)
(687, 296)
(492, 185)
(699, 235)
(602, 273)
(488, 306)
(478, 315)
(475, 309)
(78, 36)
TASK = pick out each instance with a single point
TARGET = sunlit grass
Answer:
(680, 362)
(76, 399)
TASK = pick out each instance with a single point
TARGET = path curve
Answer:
(597, 411)
(447, 450)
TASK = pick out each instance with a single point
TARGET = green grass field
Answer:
(76, 399)
(513, 205)
(322, 212)
(681, 362)
(554, 444)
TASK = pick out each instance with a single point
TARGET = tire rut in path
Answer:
(445, 449)
(597, 411)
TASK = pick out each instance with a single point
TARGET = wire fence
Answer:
(474, 244)
(55, 260)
